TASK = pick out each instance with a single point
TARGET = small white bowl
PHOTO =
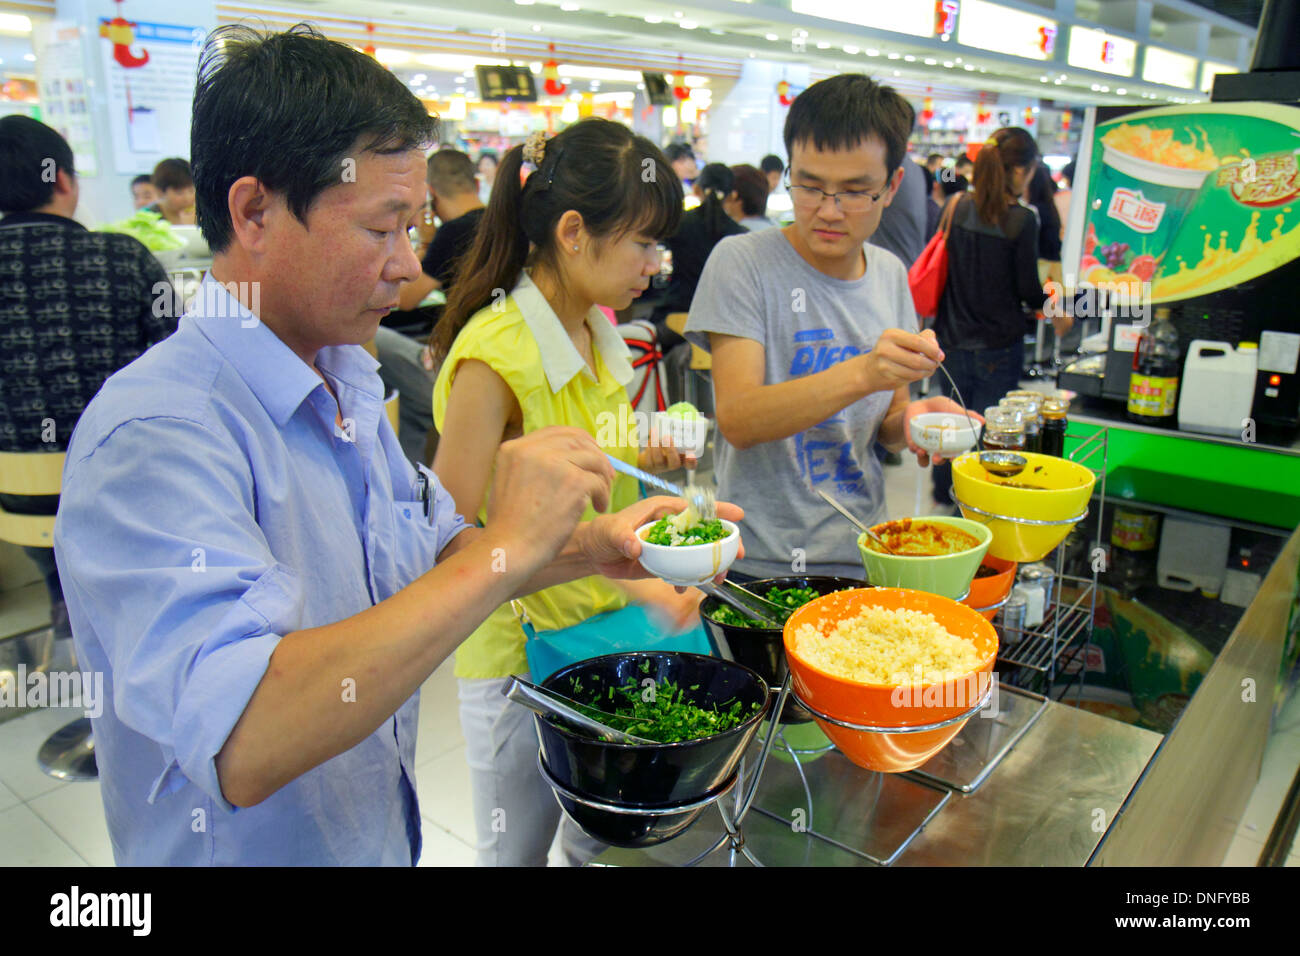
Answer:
(689, 565)
(944, 433)
(688, 434)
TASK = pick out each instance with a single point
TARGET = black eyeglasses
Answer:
(850, 200)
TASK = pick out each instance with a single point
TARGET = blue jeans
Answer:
(984, 376)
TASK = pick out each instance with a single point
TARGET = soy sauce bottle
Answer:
(1157, 367)
(1052, 436)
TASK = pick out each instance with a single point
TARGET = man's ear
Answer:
(248, 202)
(65, 184)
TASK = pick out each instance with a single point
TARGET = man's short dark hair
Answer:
(932, 157)
(141, 180)
(676, 151)
(771, 163)
(963, 160)
(172, 173)
(840, 112)
(27, 174)
(290, 109)
(451, 173)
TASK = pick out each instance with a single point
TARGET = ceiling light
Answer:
(823, 45)
(687, 24)
(909, 58)
(525, 3)
(895, 56)
(770, 37)
(15, 23)
(537, 28)
(716, 32)
(1121, 91)
(957, 60)
(653, 18)
(898, 73)
(948, 64)
(678, 14)
(383, 55)
(969, 67)
(570, 7)
(871, 52)
(929, 61)
(850, 49)
(419, 78)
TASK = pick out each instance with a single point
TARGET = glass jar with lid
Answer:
(1004, 429)
(1029, 407)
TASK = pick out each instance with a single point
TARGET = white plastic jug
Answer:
(1218, 387)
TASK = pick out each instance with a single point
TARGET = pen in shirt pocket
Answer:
(422, 494)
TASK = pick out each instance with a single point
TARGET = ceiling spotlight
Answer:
(930, 61)
(850, 49)
(770, 37)
(871, 52)
(570, 7)
(537, 28)
(823, 45)
(969, 67)
(1121, 91)
(909, 58)
(687, 24)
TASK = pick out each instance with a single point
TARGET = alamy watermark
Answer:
(21, 690)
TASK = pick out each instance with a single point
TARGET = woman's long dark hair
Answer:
(617, 181)
(716, 181)
(1008, 148)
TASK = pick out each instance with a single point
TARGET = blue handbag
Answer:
(632, 628)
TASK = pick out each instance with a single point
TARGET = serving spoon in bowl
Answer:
(702, 498)
(550, 704)
(856, 523)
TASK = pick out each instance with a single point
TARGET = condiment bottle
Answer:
(1029, 410)
(1011, 618)
(1004, 429)
(1157, 366)
(1134, 535)
(1052, 434)
(1037, 582)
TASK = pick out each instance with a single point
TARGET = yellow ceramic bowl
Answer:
(1060, 499)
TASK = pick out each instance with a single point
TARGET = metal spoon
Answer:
(1004, 464)
(548, 704)
(702, 498)
(748, 603)
(858, 524)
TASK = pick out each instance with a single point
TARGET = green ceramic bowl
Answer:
(947, 575)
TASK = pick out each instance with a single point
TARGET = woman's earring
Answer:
(575, 248)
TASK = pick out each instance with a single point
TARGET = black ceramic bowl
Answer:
(762, 649)
(620, 826)
(651, 774)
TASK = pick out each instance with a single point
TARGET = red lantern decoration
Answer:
(927, 110)
(983, 114)
(1029, 116)
(680, 89)
(783, 93)
(551, 71)
(369, 48)
(1066, 117)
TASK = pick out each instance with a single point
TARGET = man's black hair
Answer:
(840, 112)
(771, 163)
(290, 109)
(451, 172)
(31, 154)
(676, 151)
(142, 178)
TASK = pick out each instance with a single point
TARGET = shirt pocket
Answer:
(405, 546)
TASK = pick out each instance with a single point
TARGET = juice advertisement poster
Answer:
(1187, 200)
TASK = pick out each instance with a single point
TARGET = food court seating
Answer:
(69, 753)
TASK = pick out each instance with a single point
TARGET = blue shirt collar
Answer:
(273, 371)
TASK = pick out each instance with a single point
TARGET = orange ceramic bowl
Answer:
(886, 705)
(986, 592)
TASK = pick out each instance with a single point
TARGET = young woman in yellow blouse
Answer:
(522, 345)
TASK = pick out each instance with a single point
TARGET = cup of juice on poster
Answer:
(1149, 180)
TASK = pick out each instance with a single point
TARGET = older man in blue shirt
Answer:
(258, 571)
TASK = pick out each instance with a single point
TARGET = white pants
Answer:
(515, 813)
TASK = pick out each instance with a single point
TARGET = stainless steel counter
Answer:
(1046, 804)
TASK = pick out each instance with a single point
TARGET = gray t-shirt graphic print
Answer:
(758, 287)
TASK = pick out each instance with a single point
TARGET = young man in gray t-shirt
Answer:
(813, 338)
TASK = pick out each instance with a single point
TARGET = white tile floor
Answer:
(45, 822)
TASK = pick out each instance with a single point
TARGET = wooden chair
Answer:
(36, 473)
(701, 362)
(69, 753)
